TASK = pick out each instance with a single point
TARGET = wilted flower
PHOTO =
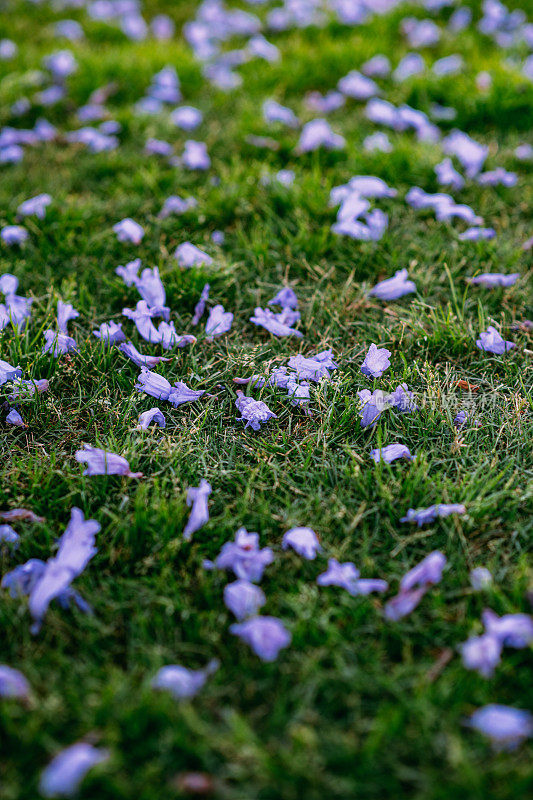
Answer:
(157, 386)
(390, 453)
(243, 598)
(274, 323)
(147, 362)
(254, 412)
(153, 415)
(188, 255)
(102, 462)
(492, 342)
(303, 540)
(63, 776)
(244, 556)
(218, 322)
(344, 575)
(506, 727)
(8, 373)
(511, 630)
(13, 684)
(127, 230)
(286, 298)
(428, 571)
(393, 288)
(376, 361)
(197, 498)
(20, 514)
(183, 683)
(265, 635)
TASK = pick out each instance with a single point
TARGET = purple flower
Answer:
(477, 234)
(195, 155)
(197, 498)
(274, 323)
(110, 333)
(286, 298)
(366, 586)
(376, 361)
(13, 684)
(274, 112)
(243, 598)
(344, 575)
(318, 133)
(176, 205)
(377, 67)
(402, 399)
(377, 143)
(482, 654)
(254, 412)
(445, 211)
(157, 147)
(324, 104)
(162, 27)
(61, 64)
(58, 344)
(8, 373)
(311, 369)
(35, 206)
(447, 175)
(102, 462)
(497, 177)
(393, 288)
(63, 776)
(127, 230)
(265, 635)
(76, 547)
(506, 727)
(188, 255)
(373, 404)
(511, 630)
(186, 117)
(168, 337)
(150, 287)
(26, 389)
(492, 279)
(299, 395)
(411, 64)
(448, 65)
(129, 272)
(303, 540)
(157, 386)
(480, 578)
(20, 513)
(153, 415)
(142, 317)
(14, 418)
(244, 556)
(428, 571)
(423, 516)
(390, 453)
(200, 305)
(146, 362)
(65, 312)
(8, 535)
(490, 341)
(358, 86)
(372, 230)
(14, 234)
(8, 283)
(404, 603)
(183, 683)
(218, 322)
(470, 153)
(420, 33)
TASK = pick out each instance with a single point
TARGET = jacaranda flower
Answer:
(265, 635)
(243, 598)
(102, 462)
(197, 498)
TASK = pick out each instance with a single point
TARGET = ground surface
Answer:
(356, 706)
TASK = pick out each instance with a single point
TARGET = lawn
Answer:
(357, 706)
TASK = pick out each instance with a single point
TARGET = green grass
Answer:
(356, 707)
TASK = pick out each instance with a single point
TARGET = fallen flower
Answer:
(393, 288)
(103, 462)
(254, 412)
(423, 516)
(110, 333)
(244, 557)
(273, 323)
(127, 230)
(14, 418)
(318, 133)
(58, 344)
(390, 453)
(20, 514)
(492, 279)
(197, 498)
(303, 541)
(183, 683)
(490, 341)
(8, 535)
(188, 255)
(200, 305)
(480, 578)
(147, 362)
(506, 727)
(63, 776)
(8, 373)
(218, 322)
(482, 654)
(376, 361)
(265, 635)
(65, 312)
(152, 415)
(13, 683)
(243, 598)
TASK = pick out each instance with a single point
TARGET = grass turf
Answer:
(356, 707)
